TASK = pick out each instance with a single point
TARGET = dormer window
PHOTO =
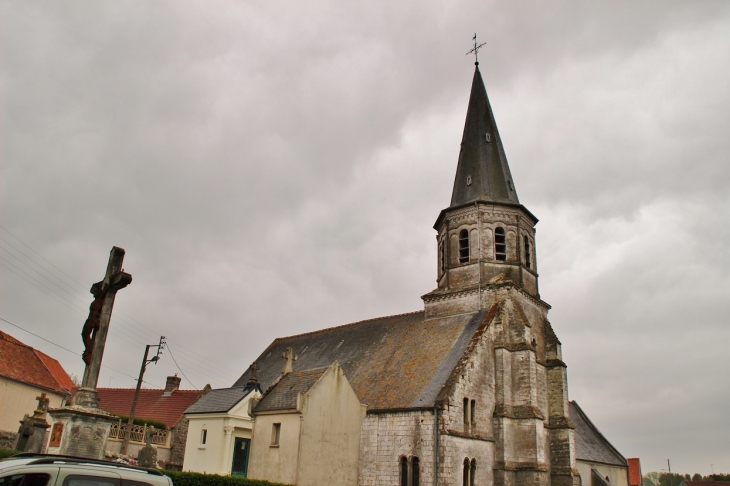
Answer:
(527, 253)
(500, 245)
(463, 246)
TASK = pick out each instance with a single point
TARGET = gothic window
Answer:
(467, 470)
(203, 436)
(471, 410)
(500, 245)
(415, 472)
(472, 472)
(463, 246)
(466, 411)
(527, 252)
(403, 471)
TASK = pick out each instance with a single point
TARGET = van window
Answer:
(84, 480)
(33, 479)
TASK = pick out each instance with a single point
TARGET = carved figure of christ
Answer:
(93, 334)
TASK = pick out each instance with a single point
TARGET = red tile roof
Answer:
(22, 363)
(634, 471)
(152, 404)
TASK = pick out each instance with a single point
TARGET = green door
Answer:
(240, 456)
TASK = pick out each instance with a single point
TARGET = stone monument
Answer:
(82, 429)
(32, 430)
(147, 456)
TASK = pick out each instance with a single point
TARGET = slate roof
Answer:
(482, 173)
(590, 444)
(219, 401)
(284, 394)
(396, 362)
(25, 364)
(152, 404)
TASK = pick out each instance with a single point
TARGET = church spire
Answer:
(483, 173)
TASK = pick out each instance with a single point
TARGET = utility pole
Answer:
(154, 359)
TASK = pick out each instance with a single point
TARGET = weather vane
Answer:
(475, 50)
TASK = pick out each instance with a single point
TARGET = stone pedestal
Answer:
(31, 434)
(87, 397)
(80, 431)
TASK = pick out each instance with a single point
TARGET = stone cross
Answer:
(290, 358)
(254, 369)
(97, 325)
(42, 406)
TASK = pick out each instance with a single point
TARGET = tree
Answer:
(650, 479)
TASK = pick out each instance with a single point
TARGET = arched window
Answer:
(467, 469)
(471, 410)
(500, 246)
(403, 471)
(466, 411)
(527, 253)
(442, 258)
(415, 472)
(463, 246)
(473, 472)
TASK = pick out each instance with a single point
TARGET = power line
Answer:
(126, 328)
(72, 352)
(178, 367)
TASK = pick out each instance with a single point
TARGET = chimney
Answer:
(173, 383)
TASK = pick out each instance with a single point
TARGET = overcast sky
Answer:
(275, 167)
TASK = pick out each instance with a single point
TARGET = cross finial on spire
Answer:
(475, 50)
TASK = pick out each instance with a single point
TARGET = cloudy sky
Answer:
(276, 167)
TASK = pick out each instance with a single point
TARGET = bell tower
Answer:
(485, 236)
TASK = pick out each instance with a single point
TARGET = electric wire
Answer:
(178, 367)
(73, 352)
(127, 326)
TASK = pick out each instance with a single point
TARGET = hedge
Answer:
(7, 453)
(197, 479)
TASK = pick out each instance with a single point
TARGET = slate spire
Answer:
(483, 173)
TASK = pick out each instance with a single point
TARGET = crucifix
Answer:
(475, 50)
(96, 326)
(290, 358)
(43, 402)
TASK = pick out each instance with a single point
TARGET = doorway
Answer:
(240, 456)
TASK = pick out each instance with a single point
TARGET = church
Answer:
(470, 390)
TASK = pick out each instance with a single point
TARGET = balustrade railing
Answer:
(138, 433)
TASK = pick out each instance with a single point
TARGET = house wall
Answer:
(617, 475)
(276, 463)
(18, 399)
(332, 417)
(216, 455)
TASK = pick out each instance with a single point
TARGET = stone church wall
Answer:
(386, 437)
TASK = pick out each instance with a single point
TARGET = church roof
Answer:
(219, 401)
(283, 396)
(396, 362)
(590, 444)
(482, 173)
